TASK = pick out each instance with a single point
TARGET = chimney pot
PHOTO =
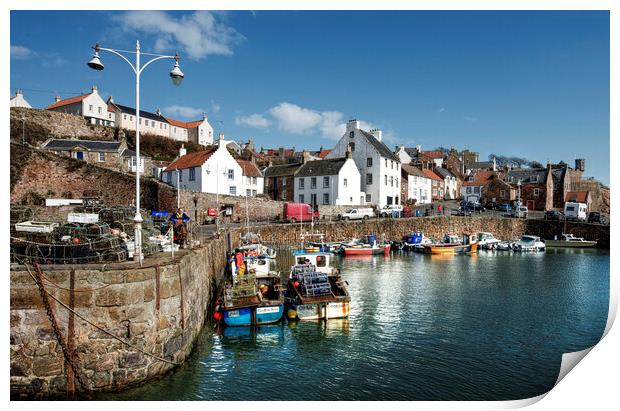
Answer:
(56, 99)
(93, 88)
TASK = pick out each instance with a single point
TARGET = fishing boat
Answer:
(569, 240)
(530, 243)
(487, 241)
(315, 290)
(416, 241)
(453, 244)
(253, 300)
(251, 244)
(368, 246)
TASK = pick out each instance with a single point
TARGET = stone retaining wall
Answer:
(162, 317)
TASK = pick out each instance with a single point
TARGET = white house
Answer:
(419, 186)
(474, 184)
(18, 100)
(333, 181)
(200, 131)
(150, 123)
(450, 183)
(378, 167)
(210, 171)
(90, 106)
(406, 154)
(252, 182)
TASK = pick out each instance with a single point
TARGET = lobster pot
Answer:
(72, 230)
(21, 213)
(124, 226)
(97, 229)
(298, 270)
(313, 278)
(114, 255)
(149, 248)
(315, 289)
(107, 242)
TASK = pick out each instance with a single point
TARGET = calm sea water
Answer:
(486, 327)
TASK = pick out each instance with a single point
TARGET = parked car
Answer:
(392, 210)
(520, 212)
(463, 211)
(475, 207)
(504, 207)
(491, 205)
(596, 217)
(357, 214)
(295, 212)
(553, 215)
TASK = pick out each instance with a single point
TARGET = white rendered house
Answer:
(379, 168)
(18, 100)
(450, 183)
(419, 186)
(150, 123)
(90, 106)
(252, 181)
(333, 181)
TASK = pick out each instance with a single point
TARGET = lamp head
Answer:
(176, 75)
(95, 62)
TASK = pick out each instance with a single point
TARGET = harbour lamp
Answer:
(176, 75)
(95, 62)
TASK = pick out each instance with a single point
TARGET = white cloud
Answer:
(215, 108)
(441, 110)
(470, 119)
(294, 119)
(198, 34)
(183, 111)
(21, 53)
(253, 120)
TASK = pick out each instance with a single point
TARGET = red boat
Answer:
(367, 249)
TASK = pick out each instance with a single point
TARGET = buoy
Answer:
(291, 314)
(296, 284)
(217, 316)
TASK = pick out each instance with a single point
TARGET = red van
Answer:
(295, 212)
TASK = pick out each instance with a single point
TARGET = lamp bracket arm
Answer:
(152, 60)
(121, 56)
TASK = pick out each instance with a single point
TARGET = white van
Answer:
(358, 214)
(395, 210)
(519, 212)
(576, 211)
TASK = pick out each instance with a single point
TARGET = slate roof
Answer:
(143, 114)
(442, 172)
(57, 144)
(480, 164)
(383, 150)
(321, 167)
(481, 178)
(130, 153)
(249, 169)
(527, 175)
(68, 101)
(190, 160)
(411, 170)
(282, 170)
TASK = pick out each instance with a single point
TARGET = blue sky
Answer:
(517, 83)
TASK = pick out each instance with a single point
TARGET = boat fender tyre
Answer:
(365, 217)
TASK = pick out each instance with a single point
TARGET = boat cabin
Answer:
(321, 260)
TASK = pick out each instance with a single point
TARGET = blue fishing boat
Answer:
(416, 241)
(253, 300)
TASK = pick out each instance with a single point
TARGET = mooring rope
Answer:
(100, 328)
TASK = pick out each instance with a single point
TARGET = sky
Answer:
(531, 84)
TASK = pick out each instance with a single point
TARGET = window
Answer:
(313, 182)
(352, 147)
(476, 190)
(502, 193)
(313, 199)
(468, 190)
(369, 162)
(192, 174)
(536, 192)
(396, 181)
(325, 182)
(284, 182)
(368, 180)
(386, 163)
(392, 181)
(175, 129)
(385, 179)
(283, 195)
(301, 185)
(232, 190)
(321, 261)
(90, 107)
(248, 180)
(140, 121)
(345, 183)
(101, 157)
(254, 181)
(169, 177)
(248, 192)
(392, 164)
(254, 192)
(165, 126)
(534, 179)
(368, 197)
(202, 132)
(351, 134)
(301, 198)
(124, 116)
(325, 198)
(180, 175)
(99, 109)
(231, 174)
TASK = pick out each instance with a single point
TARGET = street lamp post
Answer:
(177, 76)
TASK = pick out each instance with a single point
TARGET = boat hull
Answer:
(323, 311)
(570, 244)
(258, 315)
(367, 250)
(451, 248)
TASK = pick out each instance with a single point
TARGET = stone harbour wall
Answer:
(159, 308)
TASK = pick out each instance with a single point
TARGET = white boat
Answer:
(487, 241)
(569, 240)
(316, 291)
(530, 243)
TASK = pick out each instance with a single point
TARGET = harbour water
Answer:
(491, 326)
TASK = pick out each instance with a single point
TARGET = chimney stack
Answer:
(418, 148)
(349, 153)
(378, 134)
(182, 150)
(94, 89)
(305, 157)
(56, 99)
(352, 125)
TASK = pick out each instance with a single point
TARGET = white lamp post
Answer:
(177, 76)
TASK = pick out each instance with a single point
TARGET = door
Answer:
(79, 155)
(530, 204)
